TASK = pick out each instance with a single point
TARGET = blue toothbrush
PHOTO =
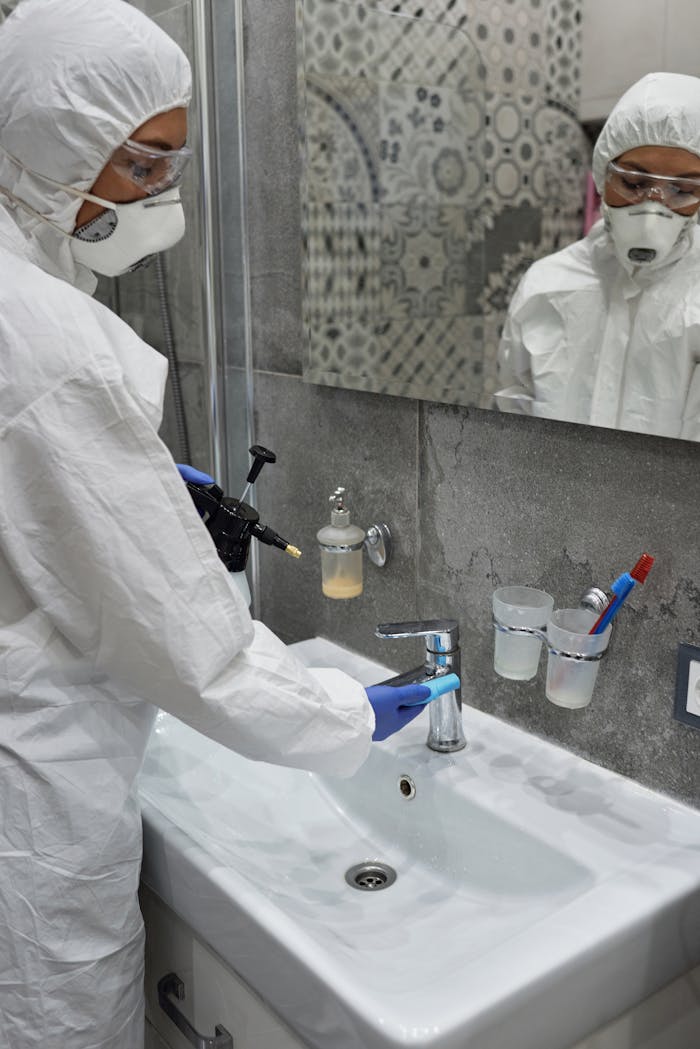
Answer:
(621, 588)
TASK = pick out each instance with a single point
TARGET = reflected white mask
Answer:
(645, 233)
(126, 236)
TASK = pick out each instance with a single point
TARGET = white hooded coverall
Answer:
(113, 601)
(589, 340)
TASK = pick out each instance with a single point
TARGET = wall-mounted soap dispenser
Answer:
(341, 551)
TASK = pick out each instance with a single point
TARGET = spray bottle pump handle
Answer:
(261, 456)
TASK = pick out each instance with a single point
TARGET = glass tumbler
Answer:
(570, 681)
(517, 656)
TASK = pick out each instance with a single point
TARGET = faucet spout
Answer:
(442, 656)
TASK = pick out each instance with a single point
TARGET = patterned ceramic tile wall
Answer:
(441, 155)
(518, 40)
(393, 177)
(563, 52)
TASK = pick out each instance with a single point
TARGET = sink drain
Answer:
(370, 877)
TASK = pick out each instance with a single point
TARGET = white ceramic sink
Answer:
(537, 895)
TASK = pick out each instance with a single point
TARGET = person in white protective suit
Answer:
(102, 617)
(607, 331)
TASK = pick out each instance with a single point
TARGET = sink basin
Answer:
(537, 896)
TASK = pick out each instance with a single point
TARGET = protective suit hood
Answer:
(595, 340)
(64, 115)
(661, 109)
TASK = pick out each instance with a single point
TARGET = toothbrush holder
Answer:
(573, 655)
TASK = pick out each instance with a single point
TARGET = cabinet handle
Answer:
(171, 984)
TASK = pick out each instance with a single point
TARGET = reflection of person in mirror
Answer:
(607, 331)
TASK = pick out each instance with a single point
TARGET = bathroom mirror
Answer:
(445, 147)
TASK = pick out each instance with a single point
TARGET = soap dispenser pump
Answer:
(341, 552)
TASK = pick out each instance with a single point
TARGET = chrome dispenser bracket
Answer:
(378, 544)
(594, 600)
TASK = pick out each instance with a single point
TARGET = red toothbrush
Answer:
(620, 589)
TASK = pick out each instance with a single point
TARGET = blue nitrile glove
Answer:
(389, 712)
(188, 473)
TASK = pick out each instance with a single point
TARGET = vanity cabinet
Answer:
(153, 1039)
(669, 1019)
(213, 993)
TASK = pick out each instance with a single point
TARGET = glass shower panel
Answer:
(163, 301)
(234, 289)
(392, 137)
(164, 304)
(191, 304)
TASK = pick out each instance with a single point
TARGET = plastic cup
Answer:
(517, 656)
(570, 682)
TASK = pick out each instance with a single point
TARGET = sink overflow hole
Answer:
(370, 877)
(407, 787)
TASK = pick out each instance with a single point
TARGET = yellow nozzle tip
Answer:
(293, 551)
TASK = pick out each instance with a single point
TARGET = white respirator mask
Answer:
(126, 236)
(645, 233)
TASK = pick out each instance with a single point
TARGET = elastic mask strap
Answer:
(110, 205)
(32, 211)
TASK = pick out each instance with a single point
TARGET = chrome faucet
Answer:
(442, 656)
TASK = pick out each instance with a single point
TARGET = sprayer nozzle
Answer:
(271, 538)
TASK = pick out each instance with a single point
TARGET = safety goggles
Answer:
(153, 170)
(635, 186)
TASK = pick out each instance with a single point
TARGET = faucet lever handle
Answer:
(442, 634)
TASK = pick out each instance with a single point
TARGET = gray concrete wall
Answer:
(475, 499)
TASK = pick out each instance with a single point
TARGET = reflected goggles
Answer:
(152, 170)
(636, 186)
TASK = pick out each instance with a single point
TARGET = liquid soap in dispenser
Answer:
(341, 552)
